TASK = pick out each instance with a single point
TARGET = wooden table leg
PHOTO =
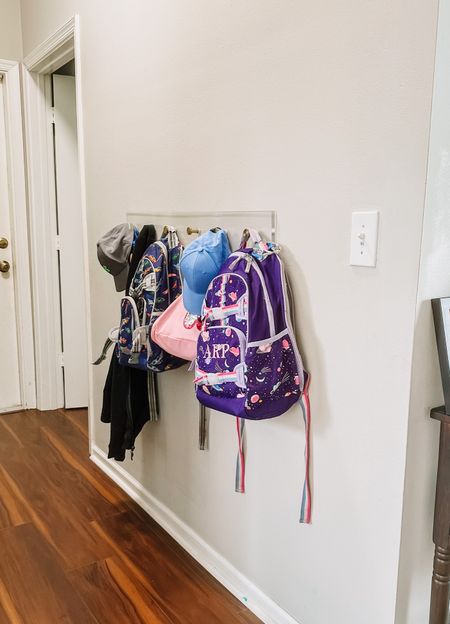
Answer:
(440, 584)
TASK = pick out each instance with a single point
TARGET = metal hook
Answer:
(190, 230)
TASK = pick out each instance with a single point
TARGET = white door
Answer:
(68, 195)
(9, 354)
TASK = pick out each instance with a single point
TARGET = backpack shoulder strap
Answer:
(173, 239)
(165, 251)
(146, 237)
(169, 237)
(305, 509)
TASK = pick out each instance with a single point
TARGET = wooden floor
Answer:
(75, 548)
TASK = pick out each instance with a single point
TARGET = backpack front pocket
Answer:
(274, 381)
(220, 366)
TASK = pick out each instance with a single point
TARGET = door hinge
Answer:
(58, 243)
(51, 114)
(61, 359)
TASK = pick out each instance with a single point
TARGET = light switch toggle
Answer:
(364, 239)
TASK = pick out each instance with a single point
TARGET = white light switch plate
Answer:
(364, 239)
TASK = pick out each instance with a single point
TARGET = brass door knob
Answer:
(4, 266)
(3, 243)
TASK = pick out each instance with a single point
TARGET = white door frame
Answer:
(62, 46)
(19, 231)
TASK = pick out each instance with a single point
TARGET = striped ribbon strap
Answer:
(305, 510)
(203, 428)
(234, 309)
(215, 379)
(152, 391)
(240, 461)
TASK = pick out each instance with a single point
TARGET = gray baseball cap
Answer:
(113, 252)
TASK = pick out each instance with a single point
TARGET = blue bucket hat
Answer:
(200, 263)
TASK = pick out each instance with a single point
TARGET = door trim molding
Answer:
(19, 231)
(6, 66)
(55, 51)
(60, 47)
(44, 267)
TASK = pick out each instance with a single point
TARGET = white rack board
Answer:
(233, 222)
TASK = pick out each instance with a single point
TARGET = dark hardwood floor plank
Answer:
(47, 453)
(58, 497)
(46, 464)
(183, 559)
(12, 510)
(34, 515)
(56, 513)
(182, 588)
(33, 430)
(9, 443)
(34, 589)
(4, 423)
(87, 473)
(110, 589)
(67, 432)
(90, 554)
(69, 438)
(8, 611)
(25, 426)
(78, 418)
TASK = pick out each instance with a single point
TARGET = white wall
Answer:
(426, 389)
(314, 109)
(10, 30)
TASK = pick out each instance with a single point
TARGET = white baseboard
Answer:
(239, 585)
(13, 409)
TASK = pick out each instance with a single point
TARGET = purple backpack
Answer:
(248, 363)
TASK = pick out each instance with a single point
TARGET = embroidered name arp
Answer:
(216, 351)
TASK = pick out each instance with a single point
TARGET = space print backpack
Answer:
(155, 285)
(248, 363)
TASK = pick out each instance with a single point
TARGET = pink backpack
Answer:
(176, 331)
